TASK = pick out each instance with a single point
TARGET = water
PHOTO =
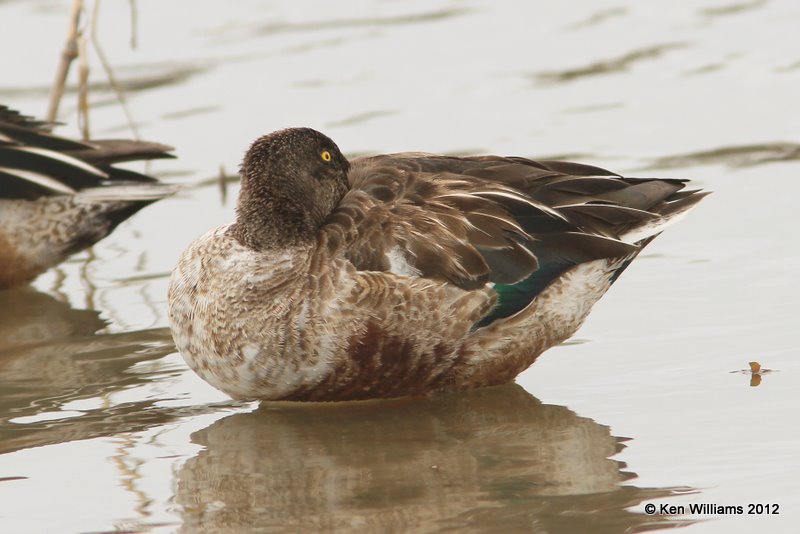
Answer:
(103, 428)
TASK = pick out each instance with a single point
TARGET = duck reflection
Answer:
(28, 317)
(52, 354)
(493, 458)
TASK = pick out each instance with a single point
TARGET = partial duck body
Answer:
(59, 196)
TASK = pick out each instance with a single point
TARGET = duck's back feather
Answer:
(512, 222)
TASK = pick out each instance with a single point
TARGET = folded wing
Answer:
(512, 222)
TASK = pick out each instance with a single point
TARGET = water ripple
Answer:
(732, 9)
(599, 17)
(732, 156)
(351, 23)
(606, 66)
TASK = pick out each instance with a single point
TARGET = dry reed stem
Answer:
(83, 87)
(68, 54)
(112, 80)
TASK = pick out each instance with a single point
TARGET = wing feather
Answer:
(491, 219)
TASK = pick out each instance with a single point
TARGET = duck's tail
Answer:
(613, 225)
(36, 163)
(556, 300)
(669, 212)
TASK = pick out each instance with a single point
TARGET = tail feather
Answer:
(669, 212)
(650, 209)
(136, 192)
(35, 162)
(108, 151)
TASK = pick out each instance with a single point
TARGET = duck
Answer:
(59, 196)
(405, 274)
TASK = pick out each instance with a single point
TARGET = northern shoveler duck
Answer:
(402, 274)
(59, 196)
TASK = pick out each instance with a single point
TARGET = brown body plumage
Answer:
(59, 196)
(402, 274)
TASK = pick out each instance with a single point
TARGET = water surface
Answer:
(103, 428)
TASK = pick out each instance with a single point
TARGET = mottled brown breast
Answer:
(384, 365)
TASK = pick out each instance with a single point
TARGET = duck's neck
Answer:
(268, 221)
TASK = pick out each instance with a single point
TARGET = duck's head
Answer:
(291, 181)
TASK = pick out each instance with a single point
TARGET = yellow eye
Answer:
(325, 155)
